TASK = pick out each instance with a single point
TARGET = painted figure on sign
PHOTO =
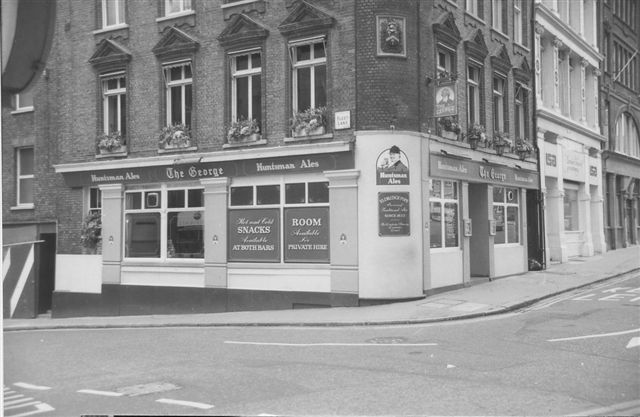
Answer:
(394, 162)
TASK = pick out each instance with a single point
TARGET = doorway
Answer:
(46, 271)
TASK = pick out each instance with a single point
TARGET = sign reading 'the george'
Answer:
(306, 234)
(254, 235)
(393, 214)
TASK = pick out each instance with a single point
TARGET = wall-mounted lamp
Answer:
(485, 160)
(343, 239)
(111, 240)
(518, 166)
(215, 239)
(442, 151)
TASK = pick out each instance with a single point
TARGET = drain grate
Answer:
(150, 388)
(387, 340)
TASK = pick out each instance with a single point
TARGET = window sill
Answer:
(23, 207)
(474, 17)
(521, 46)
(453, 3)
(178, 150)
(111, 28)
(244, 144)
(112, 154)
(175, 16)
(23, 110)
(499, 34)
(307, 138)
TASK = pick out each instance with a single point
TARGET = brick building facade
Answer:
(620, 114)
(286, 154)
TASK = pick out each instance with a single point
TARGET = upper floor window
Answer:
(112, 13)
(446, 60)
(625, 66)
(309, 61)
(176, 6)
(626, 11)
(24, 176)
(521, 111)
(178, 85)
(114, 94)
(474, 7)
(627, 139)
(500, 106)
(518, 22)
(23, 101)
(498, 15)
(474, 87)
(246, 86)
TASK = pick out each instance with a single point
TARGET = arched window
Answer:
(627, 140)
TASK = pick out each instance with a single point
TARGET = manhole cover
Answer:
(150, 388)
(387, 340)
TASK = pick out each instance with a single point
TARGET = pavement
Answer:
(480, 299)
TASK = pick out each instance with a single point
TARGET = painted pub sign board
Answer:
(254, 235)
(306, 234)
(392, 167)
(393, 214)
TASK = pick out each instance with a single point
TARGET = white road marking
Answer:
(11, 397)
(40, 408)
(96, 392)
(329, 344)
(18, 401)
(201, 406)
(31, 386)
(614, 409)
(635, 341)
(594, 335)
(13, 407)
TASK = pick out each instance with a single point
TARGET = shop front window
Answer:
(571, 219)
(164, 224)
(506, 215)
(443, 201)
(279, 223)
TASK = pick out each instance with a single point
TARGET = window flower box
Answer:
(111, 143)
(476, 135)
(244, 131)
(501, 142)
(450, 128)
(523, 148)
(175, 136)
(311, 122)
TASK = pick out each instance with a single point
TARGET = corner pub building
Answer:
(175, 128)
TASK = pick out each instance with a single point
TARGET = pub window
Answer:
(164, 224)
(23, 102)
(279, 223)
(25, 177)
(506, 215)
(172, 7)
(474, 7)
(443, 202)
(95, 200)
(521, 111)
(446, 60)
(517, 22)
(246, 87)
(309, 74)
(498, 8)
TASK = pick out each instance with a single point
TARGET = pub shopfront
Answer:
(206, 234)
(477, 219)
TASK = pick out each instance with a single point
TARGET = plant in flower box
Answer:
(243, 130)
(110, 142)
(309, 122)
(523, 148)
(90, 235)
(500, 142)
(449, 124)
(174, 136)
(476, 135)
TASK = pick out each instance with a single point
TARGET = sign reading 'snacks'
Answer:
(393, 214)
(254, 235)
(306, 234)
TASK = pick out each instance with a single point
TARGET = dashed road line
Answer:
(329, 344)
(18, 401)
(39, 408)
(24, 406)
(97, 392)
(31, 386)
(595, 335)
(201, 406)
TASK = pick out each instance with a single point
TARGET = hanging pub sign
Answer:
(446, 100)
(392, 167)
(254, 235)
(306, 234)
(393, 214)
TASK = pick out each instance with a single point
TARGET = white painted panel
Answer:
(162, 276)
(573, 242)
(280, 279)
(446, 268)
(79, 273)
(509, 260)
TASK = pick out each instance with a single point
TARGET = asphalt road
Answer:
(577, 353)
